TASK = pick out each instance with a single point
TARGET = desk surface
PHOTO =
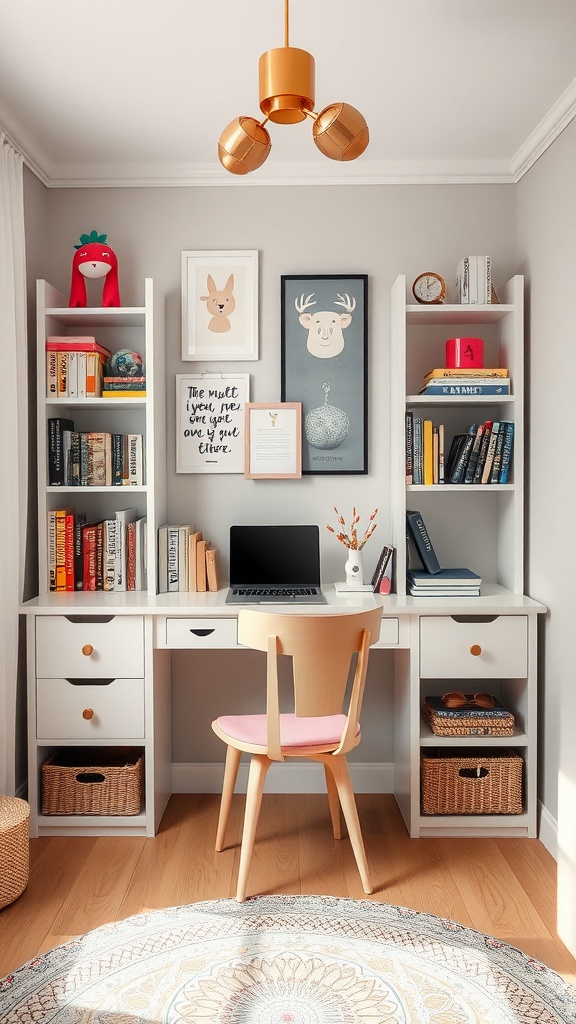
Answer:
(494, 600)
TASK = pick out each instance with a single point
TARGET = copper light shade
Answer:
(286, 78)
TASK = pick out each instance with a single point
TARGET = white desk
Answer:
(126, 638)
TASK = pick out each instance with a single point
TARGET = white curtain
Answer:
(13, 444)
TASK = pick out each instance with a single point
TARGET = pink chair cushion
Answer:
(294, 732)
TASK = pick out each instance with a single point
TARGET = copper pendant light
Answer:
(286, 77)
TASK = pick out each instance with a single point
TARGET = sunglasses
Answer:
(462, 700)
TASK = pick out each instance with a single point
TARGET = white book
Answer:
(173, 565)
(123, 517)
(183, 539)
(109, 568)
(72, 375)
(473, 280)
(135, 468)
(81, 374)
(163, 559)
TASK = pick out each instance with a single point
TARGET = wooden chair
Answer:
(322, 647)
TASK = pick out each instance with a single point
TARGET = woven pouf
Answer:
(14, 848)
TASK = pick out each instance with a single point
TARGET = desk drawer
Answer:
(389, 631)
(468, 649)
(104, 709)
(201, 633)
(87, 648)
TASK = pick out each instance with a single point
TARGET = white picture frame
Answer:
(210, 422)
(220, 305)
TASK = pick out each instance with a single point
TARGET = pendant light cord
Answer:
(286, 23)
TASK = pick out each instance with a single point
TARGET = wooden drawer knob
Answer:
(88, 714)
(87, 650)
(475, 650)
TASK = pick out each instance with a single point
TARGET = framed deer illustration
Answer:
(324, 365)
(220, 305)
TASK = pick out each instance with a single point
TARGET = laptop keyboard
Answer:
(275, 591)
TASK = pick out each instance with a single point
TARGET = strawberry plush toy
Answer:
(94, 259)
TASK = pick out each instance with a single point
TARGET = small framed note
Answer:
(210, 422)
(273, 440)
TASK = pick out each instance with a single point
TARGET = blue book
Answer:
(506, 459)
(446, 577)
(423, 543)
(463, 390)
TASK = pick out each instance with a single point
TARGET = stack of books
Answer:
(124, 387)
(466, 382)
(445, 583)
(432, 580)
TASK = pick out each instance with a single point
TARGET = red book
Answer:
(89, 556)
(69, 551)
(57, 343)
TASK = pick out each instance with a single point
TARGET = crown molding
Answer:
(314, 172)
(289, 173)
(549, 128)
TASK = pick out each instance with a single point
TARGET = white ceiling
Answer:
(136, 92)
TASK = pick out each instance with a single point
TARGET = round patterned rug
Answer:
(285, 960)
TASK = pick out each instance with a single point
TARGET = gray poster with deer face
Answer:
(324, 366)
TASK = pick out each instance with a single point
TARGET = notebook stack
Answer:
(445, 583)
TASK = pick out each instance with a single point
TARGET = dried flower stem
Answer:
(350, 538)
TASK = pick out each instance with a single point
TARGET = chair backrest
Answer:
(322, 647)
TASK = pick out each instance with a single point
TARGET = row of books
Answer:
(109, 554)
(92, 458)
(474, 280)
(432, 580)
(481, 455)
(186, 560)
(76, 367)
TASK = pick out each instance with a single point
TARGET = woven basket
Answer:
(472, 781)
(14, 848)
(460, 725)
(104, 781)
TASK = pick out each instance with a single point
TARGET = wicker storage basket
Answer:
(93, 781)
(14, 848)
(477, 722)
(472, 781)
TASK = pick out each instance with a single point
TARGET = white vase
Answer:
(354, 567)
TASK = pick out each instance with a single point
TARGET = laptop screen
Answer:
(274, 555)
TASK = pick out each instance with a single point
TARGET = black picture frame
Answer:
(324, 365)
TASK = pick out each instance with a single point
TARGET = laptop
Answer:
(275, 565)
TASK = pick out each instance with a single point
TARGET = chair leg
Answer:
(339, 768)
(333, 803)
(259, 766)
(230, 773)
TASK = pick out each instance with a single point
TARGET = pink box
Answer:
(464, 353)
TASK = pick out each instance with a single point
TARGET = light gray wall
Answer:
(546, 219)
(378, 230)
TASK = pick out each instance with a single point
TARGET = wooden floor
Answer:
(504, 887)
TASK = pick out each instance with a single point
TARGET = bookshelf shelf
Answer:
(479, 526)
(140, 328)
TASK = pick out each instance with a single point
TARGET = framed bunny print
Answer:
(220, 305)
